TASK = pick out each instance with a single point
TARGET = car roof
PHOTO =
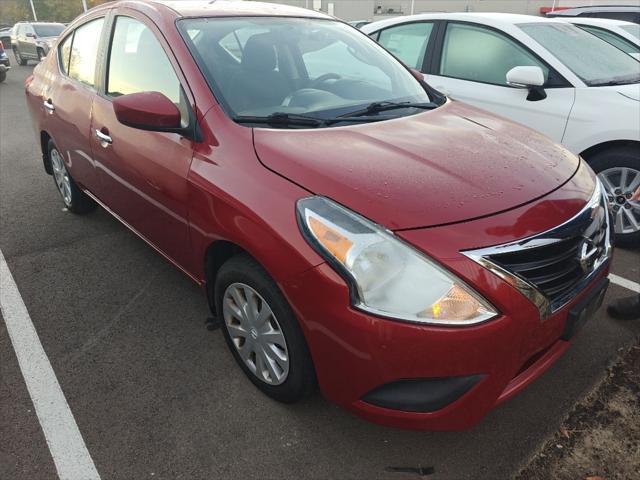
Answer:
(226, 8)
(605, 22)
(488, 18)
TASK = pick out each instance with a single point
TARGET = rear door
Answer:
(470, 63)
(409, 42)
(68, 98)
(143, 174)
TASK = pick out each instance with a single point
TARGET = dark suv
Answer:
(4, 63)
(32, 40)
(628, 13)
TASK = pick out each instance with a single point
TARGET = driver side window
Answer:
(138, 63)
(482, 55)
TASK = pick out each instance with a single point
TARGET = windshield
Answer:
(48, 30)
(321, 68)
(633, 29)
(595, 61)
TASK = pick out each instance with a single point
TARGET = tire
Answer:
(74, 199)
(19, 59)
(300, 380)
(41, 54)
(3, 76)
(611, 165)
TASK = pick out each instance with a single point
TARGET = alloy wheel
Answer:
(256, 333)
(61, 176)
(620, 183)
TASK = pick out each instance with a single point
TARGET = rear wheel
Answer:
(262, 331)
(619, 171)
(74, 199)
(19, 59)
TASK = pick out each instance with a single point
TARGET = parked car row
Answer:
(419, 258)
(33, 40)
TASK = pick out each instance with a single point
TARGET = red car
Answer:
(419, 259)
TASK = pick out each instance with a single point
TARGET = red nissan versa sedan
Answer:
(419, 259)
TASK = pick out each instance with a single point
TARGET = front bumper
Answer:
(380, 369)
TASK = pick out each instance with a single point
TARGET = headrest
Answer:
(259, 54)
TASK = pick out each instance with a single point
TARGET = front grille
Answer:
(552, 267)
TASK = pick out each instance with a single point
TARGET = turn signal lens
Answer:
(338, 245)
(457, 304)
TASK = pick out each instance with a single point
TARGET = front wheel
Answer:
(619, 171)
(74, 199)
(3, 75)
(41, 54)
(262, 331)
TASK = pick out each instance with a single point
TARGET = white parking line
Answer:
(623, 282)
(70, 454)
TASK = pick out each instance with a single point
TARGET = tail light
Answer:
(1, 45)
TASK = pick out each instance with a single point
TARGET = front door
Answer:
(143, 174)
(472, 68)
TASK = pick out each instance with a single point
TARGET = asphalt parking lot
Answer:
(157, 395)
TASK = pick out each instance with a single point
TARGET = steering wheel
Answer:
(323, 78)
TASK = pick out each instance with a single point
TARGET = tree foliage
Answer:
(12, 11)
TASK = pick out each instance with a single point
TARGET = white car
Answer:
(544, 73)
(621, 34)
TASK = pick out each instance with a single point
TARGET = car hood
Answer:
(443, 166)
(631, 91)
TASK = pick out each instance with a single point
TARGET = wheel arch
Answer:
(215, 256)
(44, 147)
(610, 145)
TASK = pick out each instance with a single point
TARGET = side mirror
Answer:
(30, 35)
(531, 78)
(148, 111)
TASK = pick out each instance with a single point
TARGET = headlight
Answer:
(388, 277)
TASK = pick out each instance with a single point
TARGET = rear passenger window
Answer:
(64, 53)
(407, 42)
(138, 63)
(84, 52)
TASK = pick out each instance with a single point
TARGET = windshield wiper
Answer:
(377, 107)
(611, 83)
(294, 119)
(282, 119)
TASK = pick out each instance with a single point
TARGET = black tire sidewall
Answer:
(301, 377)
(19, 59)
(619, 157)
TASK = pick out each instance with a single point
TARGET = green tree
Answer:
(12, 11)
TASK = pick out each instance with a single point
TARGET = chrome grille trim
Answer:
(593, 223)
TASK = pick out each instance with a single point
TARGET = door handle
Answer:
(104, 138)
(48, 104)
